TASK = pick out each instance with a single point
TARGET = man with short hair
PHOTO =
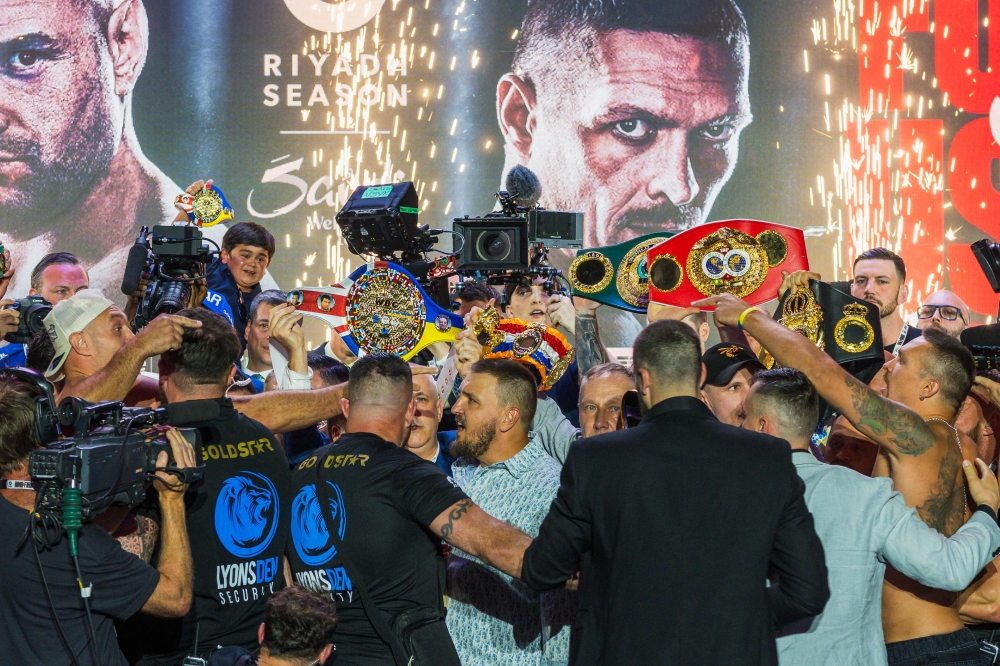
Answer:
(298, 629)
(235, 513)
(880, 279)
(653, 512)
(55, 278)
(944, 311)
(269, 316)
(247, 251)
(729, 368)
(502, 467)
(913, 423)
(368, 520)
(601, 398)
(122, 583)
(637, 150)
(474, 295)
(863, 523)
(428, 412)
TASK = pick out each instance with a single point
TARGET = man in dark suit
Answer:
(677, 523)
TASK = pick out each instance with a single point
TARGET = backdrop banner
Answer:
(862, 123)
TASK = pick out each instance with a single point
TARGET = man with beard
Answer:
(368, 520)
(493, 619)
(629, 111)
(921, 451)
(944, 311)
(72, 172)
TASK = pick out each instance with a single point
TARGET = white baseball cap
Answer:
(68, 317)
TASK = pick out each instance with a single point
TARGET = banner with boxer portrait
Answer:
(863, 124)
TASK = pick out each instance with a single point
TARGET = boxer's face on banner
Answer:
(641, 140)
(60, 118)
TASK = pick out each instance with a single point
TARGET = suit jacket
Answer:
(676, 524)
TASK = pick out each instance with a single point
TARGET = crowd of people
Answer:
(363, 511)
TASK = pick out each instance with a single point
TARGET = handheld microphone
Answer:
(136, 263)
(523, 186)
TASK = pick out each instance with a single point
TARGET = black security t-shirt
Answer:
(383, 499)
(237, 517)
(122, 583)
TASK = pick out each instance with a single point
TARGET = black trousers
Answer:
(957, 649)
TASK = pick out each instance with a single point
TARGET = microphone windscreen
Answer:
(133, 268)
(523, 186)
(194, 411)
(982, 336)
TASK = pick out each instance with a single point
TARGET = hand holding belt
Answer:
(380, 307)
(615, 275)
(542, 349)
(206, 208)
(741, 257)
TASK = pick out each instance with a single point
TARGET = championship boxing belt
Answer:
(615, 275)
(380, 307)
(542, 349)
(206, 208)
(846, 328)
(741, 257)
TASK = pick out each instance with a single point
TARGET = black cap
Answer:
(725, 359)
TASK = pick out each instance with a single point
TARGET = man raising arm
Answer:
(926, 384)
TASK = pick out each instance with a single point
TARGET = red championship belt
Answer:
(740, 257)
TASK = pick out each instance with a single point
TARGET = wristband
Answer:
(739, 322)
(988, 510)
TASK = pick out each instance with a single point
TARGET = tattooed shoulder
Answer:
(888, 422)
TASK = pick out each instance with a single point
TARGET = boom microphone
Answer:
(523, 186)
(136, 263)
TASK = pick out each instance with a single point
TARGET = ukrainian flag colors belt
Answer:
(380, 307)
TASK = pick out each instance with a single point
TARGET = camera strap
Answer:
(900, 339)
(8, 484)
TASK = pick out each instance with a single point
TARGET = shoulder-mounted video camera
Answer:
(168, 260)
(110, 455)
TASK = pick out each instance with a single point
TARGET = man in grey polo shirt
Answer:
(863, 524)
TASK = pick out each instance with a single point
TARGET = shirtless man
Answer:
(913, 424)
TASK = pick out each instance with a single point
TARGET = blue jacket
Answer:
(221, 281)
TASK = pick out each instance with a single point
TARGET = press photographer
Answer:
(233, 513)
(43, 619)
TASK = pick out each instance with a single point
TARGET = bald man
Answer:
(944, 311)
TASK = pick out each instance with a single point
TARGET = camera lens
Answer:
(175, 298)
(493, 246)
(35, 317)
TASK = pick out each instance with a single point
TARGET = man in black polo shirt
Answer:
(236, 514)
(386, 512)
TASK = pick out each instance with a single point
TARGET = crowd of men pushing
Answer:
(690, 538)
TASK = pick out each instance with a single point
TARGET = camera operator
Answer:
(42, 618)
(97, 357)
(55, 278)
(238, 531)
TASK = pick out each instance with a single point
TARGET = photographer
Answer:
(55, 278)
(42, 617)
(233, 513)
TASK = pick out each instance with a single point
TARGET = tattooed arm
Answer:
(899, 429)
(590, 351)
(142, 541)
(496, 543)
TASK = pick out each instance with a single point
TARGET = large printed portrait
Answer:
(865, 125)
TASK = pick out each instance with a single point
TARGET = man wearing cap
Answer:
(729, 367)
(97, 357)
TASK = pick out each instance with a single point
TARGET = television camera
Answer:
(513, 242)
(164, 264)
(109, 458)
